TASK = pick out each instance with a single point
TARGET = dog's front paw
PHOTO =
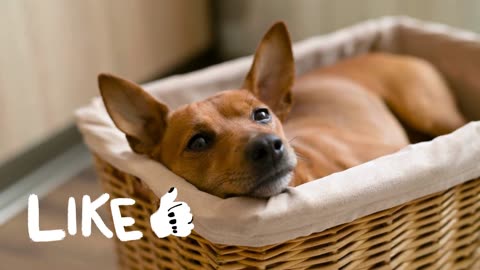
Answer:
(172, 217)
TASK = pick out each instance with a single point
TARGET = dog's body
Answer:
(234, 143)
(342, 115)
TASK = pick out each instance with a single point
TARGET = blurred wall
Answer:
(242, 23)
(51, 52)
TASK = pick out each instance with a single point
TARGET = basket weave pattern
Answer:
(439, 231)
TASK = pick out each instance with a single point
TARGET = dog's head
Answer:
(230, 144)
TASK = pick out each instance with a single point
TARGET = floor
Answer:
(74, 252)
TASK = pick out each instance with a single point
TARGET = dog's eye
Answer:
(199, 142)
(261, 115)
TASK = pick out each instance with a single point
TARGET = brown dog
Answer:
(333, 118)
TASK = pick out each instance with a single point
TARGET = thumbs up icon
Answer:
(172, 218)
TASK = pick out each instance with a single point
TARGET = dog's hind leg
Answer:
(423, 100)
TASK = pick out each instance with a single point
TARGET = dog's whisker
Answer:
(292, 139)
(228, 178)
(301, 157)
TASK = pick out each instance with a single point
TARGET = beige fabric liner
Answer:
(416, 171)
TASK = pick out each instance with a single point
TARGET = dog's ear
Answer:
(142, 118)
(272, 73)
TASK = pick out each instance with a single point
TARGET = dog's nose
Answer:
(265, 148)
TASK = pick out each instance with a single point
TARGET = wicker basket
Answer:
(439, 231)
(436, 231)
